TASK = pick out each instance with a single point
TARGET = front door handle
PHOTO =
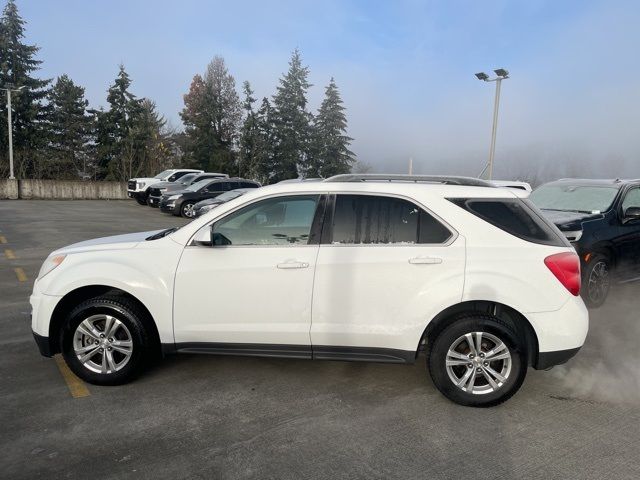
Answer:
(292, 264)
(425, 260)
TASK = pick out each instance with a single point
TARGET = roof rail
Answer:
(443, 179)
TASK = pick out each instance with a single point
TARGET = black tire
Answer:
(494, 327)
(131, 316)
(141, 199)
(186, 208)
(596, 280)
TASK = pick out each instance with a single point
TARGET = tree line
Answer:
(57, 135)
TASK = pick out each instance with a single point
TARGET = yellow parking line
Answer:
(22, 277)
(9, 254)
(3, 239)
(77, 388)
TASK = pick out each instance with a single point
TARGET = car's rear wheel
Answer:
(477, 361)
(596, 280)
(187, 210)
(105, 341)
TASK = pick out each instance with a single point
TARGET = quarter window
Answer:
(369, 219)
(276, 221)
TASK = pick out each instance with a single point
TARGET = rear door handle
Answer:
(290, 265)
(425, 260)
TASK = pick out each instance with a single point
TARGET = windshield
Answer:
(198, 185)
(574, 198)
(161, 175)
(226, 196)
(186, 180)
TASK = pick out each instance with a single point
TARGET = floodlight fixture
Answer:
(482, 76)
(501, 72)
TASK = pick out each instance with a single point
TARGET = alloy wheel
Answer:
(188, 210)
(102, 344)
(478, 363)
(598, 281)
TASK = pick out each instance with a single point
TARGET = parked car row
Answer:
(179, 191)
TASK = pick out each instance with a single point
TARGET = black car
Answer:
(204, 206)
(158, 189)
(181, 202)
(601, 218)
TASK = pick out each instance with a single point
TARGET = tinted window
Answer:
(218, 187)
(365, 219)
(276, 221)
(514, 216)
(247, 185)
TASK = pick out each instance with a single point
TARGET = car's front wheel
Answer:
(187, 210)
(477, 361)
(104, 340)
(141, 199)
(596, 280)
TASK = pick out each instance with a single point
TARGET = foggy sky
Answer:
(405, 70)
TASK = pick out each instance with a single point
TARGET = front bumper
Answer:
(169, 206)
(43, 345)
(136, 195)
(154, 201)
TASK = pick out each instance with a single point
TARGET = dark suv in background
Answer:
(181, 202)
(601, 218)
(159, 189)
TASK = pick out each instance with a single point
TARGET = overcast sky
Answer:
(404, 68)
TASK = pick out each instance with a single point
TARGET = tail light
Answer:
(566, 268)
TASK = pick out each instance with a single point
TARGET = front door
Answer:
(628, 241)
(251, 291)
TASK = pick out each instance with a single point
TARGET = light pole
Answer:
(8, 89)
(501, 74)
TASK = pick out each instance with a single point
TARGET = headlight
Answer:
(49, 264)
(206, 208)
(162, 189)
(173, 197)
(141, 184)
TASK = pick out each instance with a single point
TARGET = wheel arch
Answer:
(79, 295)
(517, 320)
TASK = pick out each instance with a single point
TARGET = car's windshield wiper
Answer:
(163, 233)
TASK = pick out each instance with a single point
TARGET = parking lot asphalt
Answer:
(208, 417)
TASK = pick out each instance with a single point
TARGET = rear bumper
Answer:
(547, 360)
(43, 344)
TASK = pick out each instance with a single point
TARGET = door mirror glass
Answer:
(631, 214)
(203, 237)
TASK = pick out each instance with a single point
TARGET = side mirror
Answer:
(631, 214)
(203, 237)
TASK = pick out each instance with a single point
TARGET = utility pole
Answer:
(10, 127)
(501, 74)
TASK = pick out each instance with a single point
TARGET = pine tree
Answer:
(265, 144)
(249, 136)
(148, 147)
(212, 116)
(291, 122)
(17, 64)
(115, 130)
(70, 130)
(331, 153)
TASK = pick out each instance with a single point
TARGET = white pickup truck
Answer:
(138, 188)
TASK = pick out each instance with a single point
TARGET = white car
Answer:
(357, 267)
(514, 184)
(138, 188)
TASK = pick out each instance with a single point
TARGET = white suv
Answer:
(138, 188)
(358, 267)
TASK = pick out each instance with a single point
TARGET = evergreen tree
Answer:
(291, 122)
(17, 64)
(249, 136)
(115, 130)
(265, 142)
(70, 130)
(331, 144)
(148, 148)
(212, 115)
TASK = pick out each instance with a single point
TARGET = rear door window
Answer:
(373, 219)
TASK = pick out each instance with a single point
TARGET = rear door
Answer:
(385, 266)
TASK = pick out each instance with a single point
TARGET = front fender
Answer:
(145, 273)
